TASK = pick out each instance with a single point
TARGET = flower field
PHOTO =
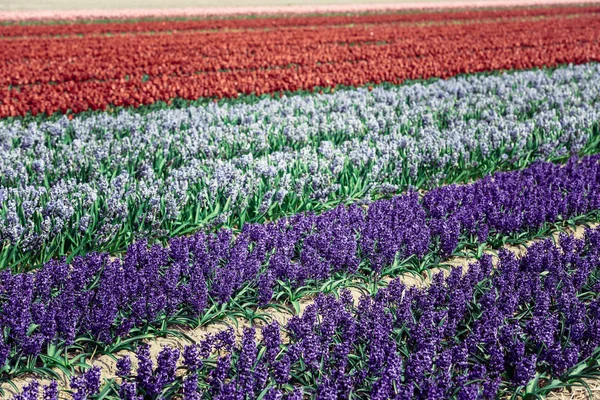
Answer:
(376, 205)
(81, 70)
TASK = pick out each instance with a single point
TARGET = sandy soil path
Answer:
(18, 10)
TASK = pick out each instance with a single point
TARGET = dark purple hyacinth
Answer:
(124, 367)
(480, 335)
(103, 298)
(87, 384)
(152, 380)
(29, 392)
(51, 391)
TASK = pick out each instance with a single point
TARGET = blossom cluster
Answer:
(158, 176)
(467, 336)
(105, 297)
(100, 182)
(47, 75)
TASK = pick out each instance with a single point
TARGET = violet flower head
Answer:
(30, 392)
(128, 391)
(51, 391)
(191, 358)
(273, 394)
(124, 366)
(190, 387)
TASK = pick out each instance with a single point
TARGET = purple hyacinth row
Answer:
(104, 298)
(467, 337)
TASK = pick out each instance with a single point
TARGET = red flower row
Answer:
(277, 22)
(138, 58)
(78, 74)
